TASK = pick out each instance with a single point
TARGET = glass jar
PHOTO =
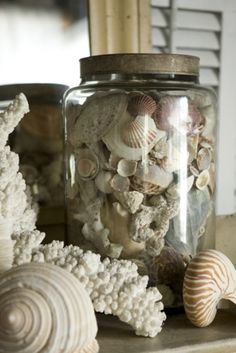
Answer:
(140, 162)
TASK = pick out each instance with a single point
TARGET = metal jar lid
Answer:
(140, 64)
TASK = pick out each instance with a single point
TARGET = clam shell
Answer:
(113, 161)
(120, 183)
(203, 180)
(210, 277)
(102, 181)
(87, 163)
(140, 132)
(126, 168)
(44, 308)
(192, 143)
(151, 179)
(97, 116)
(115, 139)
(178, 112)
(194, 171)
(174, 190)
(141, 104)
(204, 158)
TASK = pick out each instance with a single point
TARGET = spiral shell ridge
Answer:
(209, 278)
(43, 308)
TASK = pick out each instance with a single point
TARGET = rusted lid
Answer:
(140, 64)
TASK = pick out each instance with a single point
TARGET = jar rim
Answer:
(133, 63)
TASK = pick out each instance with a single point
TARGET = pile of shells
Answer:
(139, 163)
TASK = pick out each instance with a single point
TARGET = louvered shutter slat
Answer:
(198, 20)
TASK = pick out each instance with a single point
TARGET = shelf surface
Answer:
(177, 336)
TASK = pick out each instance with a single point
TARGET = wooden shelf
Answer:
(177, 336)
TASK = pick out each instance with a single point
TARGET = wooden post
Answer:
(119, 26)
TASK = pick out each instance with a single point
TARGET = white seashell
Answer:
(212, 174)
(204, 158)
(102, 181)
(87, 163)
(120, 183)
(160, 149)
(44, 308)
(192, 143)
(6, 245)
(151, 179)
(116, 144)
(97, 116)
(194, 171)
(203, 180)
(113, 161)
(126, 168)
(210, 277)
(130, 200)
(175, 190)
(140, 132)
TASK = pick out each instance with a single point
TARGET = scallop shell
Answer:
(209, 278)
(178, 112)
(102, 181)
(97, 116)
(115, 139)
(6, 245)
(203, 180)
(44, 308)
(141, 104)
(204, 158)
(120, 183)
(87, 163)
(140, 132)
(126, 168)
(151, 179)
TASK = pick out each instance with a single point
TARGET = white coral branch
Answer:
(10, 117)
(114, 286)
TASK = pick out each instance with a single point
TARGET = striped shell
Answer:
(6, 245)
(44, 308)
(140, 132)
(141, 104)
(124, 142)
(209, 278)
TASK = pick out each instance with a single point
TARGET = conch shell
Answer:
(43, 308)
(209, 278)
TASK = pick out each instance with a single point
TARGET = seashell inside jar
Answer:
(144, 153)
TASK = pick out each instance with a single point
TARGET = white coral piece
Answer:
(114, 286)
(10, 117)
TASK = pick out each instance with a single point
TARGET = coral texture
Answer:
(114, 286)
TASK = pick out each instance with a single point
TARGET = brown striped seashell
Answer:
(44, 308)
(6, 245)
(87, 163)
(140, 132)
(176, 112)
(210, 277)
(141, 104)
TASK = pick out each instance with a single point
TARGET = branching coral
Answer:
(114, 286)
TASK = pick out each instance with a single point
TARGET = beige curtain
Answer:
(119, 26)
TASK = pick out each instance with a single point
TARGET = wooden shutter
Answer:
(207, 28)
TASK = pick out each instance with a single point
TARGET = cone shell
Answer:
(209, 278)
(141, 104)
(97, 116)
(129, 142)
(87, 163)
(44, 308)
(178, 112)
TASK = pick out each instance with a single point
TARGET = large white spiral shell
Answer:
(43, 308)
(209, 278)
